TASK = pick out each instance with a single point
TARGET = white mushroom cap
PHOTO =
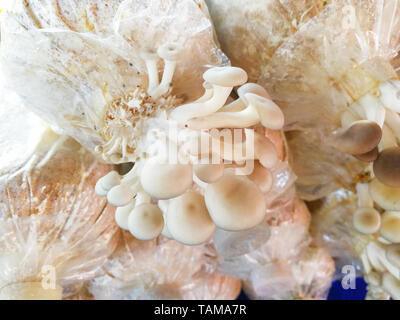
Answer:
(165, 181)
(120, 195)
(122, 215)
(188, 220)
(252, 88)
(110, 180)
(146, 222)
(386, 197)
(209, 172)
(235, 203)
(390, 229)
(169, 51)
(100, 191)
(225, 76)
(270, 114)
(393, 254)
(367, 220)
(391, 285)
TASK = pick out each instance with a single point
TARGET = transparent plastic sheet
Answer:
(315, 58)
(162, 269)
(79, 56)
(49, 225)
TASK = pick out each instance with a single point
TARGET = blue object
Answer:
(338, 293)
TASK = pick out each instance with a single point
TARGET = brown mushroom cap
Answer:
(390, 229)
(386, 197)
(387, 167)
(369, 156)
(361, 137)
(366, 220)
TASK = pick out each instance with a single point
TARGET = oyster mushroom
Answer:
(209, 172)
(164, 180)
(222, 79)
(393, 254)
(146, 221)
(235, 203)
(387, 167)
(188, 219)
(366, 219)
(390, 229)
(386, 197)
(361, 137)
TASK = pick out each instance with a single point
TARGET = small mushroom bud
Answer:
(391, 285)
(367, 220)
(122, 215)
(369, 156)
(390, 229)
(361, 137)
(386, 197)
(387, 167)
(165, 181)
(110, 180)
(120, 195)
(209, 172)
(235, 203)
(146, 222)
(393, 254)
(188, 220)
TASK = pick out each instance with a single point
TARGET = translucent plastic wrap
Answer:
(318, 59)
(53, 236)
(79, 57)
(163, 269)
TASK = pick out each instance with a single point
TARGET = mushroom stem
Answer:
(200, 109)
(151, 58)
(370, 108)
(364, 199)
(222, 79)
(240, 119)
(393, 122)
(256, 147)
(169, 53)
(390, 96)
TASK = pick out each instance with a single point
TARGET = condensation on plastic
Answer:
(315, 58)
(68, 59)
(162, 269)
(48, 218)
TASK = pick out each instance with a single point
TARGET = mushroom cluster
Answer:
(191, 173)
(370, 131)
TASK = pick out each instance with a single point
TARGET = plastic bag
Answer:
(53, 237)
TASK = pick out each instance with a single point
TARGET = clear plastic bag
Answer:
(53, 236)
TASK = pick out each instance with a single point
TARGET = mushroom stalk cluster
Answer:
(371, 131)
(207, 181)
